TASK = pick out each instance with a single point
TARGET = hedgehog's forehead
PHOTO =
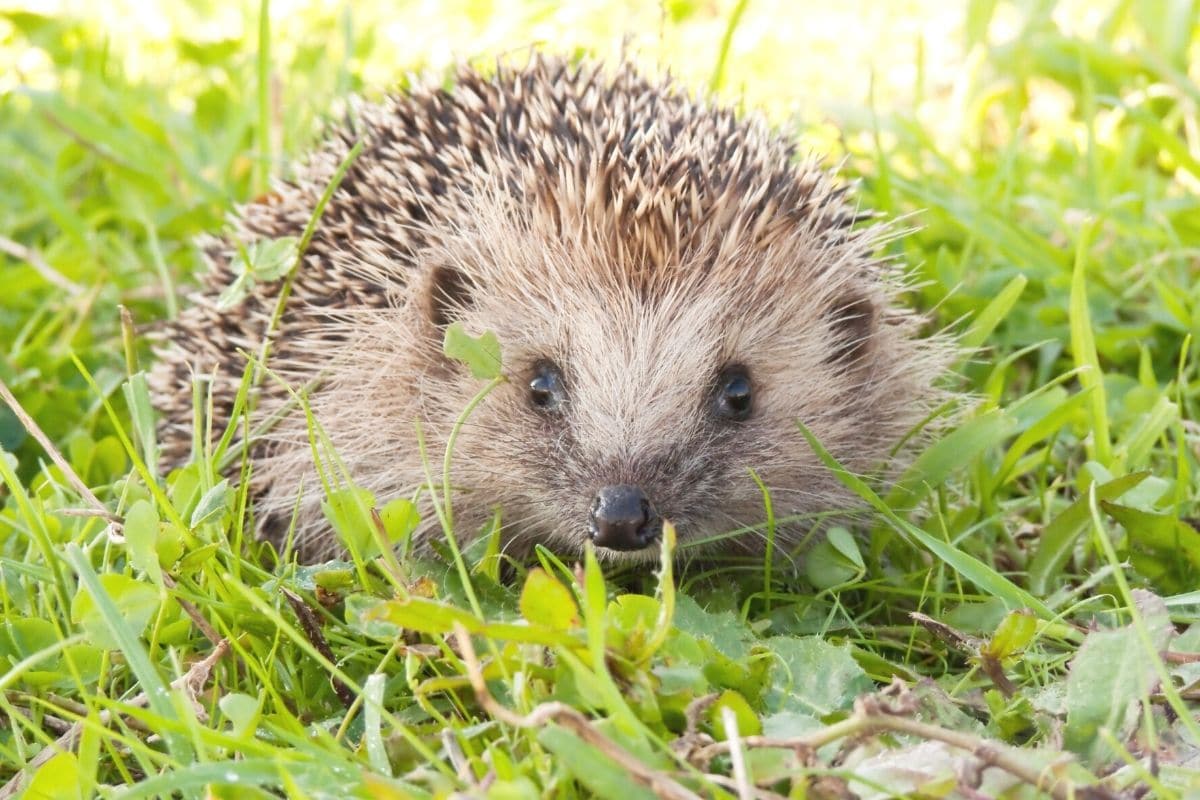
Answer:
(568, 240)
(553, 267)
(628, 351)
(565, 302)
(619, 334)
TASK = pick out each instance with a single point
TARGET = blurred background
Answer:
(793, 59)
(781, 55)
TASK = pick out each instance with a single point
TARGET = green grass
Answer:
(1023, 580)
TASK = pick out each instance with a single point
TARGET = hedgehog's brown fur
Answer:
(638, 238)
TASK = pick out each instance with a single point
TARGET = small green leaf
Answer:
(1112, 673)
(264, 260)
(107, 458)
(728, 635)
(813, 676)
(424, 616)
(194, 558)
(361, 616)
(844, 542)
(268, 259)
(23, 636)
(748, 723)
(1012, 636)
(834, 561)
(171, 544)
(328, 576)
(212, 505)
(349, 512)
(545, 601)
(629, 625)
(235, 292)
(1163, 547)
(400, 518)
(241, 710)
(136, 602)
(12, 432)
(141, 539)
(481, 354)
(57, 779)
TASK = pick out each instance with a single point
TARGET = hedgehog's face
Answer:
(629, 404)
(646, 447)
(623, 517)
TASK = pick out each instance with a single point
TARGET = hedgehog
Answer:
(674, 287)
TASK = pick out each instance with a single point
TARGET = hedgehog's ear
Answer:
(852, 320)
(447, 294)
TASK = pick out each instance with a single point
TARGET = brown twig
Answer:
(970, 646)
(72, 707)
(49, 721)
(757, 792)
(201, 623)
(562, 714)
(949, 635)
(312, 630)
(871, 717)
(802, 745)
(695, 710)
(86, 512)
(72, 478)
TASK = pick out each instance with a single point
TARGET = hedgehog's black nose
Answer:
(621, 519)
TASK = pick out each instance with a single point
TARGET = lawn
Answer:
(1016, 617)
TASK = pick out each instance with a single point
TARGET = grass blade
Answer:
(971, 568)
(1083, 347)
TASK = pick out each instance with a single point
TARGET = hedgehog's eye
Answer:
(734, 396)
(546, 389)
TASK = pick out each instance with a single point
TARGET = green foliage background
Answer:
(1048, 156)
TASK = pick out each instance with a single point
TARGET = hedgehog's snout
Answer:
(622, 518)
